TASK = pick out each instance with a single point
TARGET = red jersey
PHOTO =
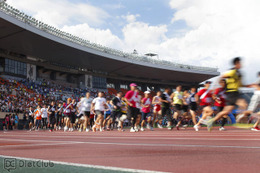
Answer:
(221, 95)
(131, 96)
(205, 97)
(67, 108)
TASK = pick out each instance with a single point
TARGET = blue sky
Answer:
(197, 32)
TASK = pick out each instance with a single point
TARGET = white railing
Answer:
(9, 10)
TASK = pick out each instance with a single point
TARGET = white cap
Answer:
(147, 92)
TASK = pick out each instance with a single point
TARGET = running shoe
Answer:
(222, 129)
(65, 128)
(196, 127)
(148, 126)
(142, 129)
(177, 127)
(132, 130)
(160, 126)
(59, 127)
(87, 130)
(151, 128)
(50, 130)
(80, 130)
(255, 129)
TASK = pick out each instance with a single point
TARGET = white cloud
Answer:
(130, 18)
(104, 37)
(220, 30)
(60, 12)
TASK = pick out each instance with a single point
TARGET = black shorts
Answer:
(219, 109)
(72, 117)
(115, 115)
(178, 107)
(87, 113)
(193, 106)
(232, 98)
(185, 108)
(166, 112)
(132, 112)
(30, 120)
(52, 119)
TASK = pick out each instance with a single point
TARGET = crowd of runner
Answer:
(166, 109)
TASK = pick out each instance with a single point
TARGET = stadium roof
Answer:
(23, 34)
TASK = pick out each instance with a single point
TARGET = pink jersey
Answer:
(146, 102)
(131, 96)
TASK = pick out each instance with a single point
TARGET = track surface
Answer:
(230, 151)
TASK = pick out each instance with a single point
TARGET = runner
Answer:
(185, 108)
(98, 106)
(73, 115)
(205, 99)
(116, 111)
(255, 103)
(80, 117)
(38, 115)
(67, 107)
(31, 119)
(59, 117)
(107, 114)
(139, 113)
(166, 108)
(51, 112)
(177, 97)
(86, 106)
(131, 99)
(234, 82)
(44, 111)
(146, 111)
(193, 99)
(157, 107)
(219, 97)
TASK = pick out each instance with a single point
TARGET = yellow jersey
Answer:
(233, 80)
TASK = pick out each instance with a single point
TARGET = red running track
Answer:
(232, 151)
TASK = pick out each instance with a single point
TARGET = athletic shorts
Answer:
(52, 119)
(145, 115)
(98, 112)
(157, 108)
(106, 115)
(254, 102)
(232, 98)
(115, 115)
(193, 106)
(166, 112)
(185, 108)
(132, 112)
(72, 117)
(219, 108)
(178, 107)
(87, 113)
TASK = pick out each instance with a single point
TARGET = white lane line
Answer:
(137, 136)
(85, 165)
(135, 144)
(141, 138)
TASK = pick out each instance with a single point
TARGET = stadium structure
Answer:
(31, 49)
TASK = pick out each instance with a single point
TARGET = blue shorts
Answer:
(145, 115)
